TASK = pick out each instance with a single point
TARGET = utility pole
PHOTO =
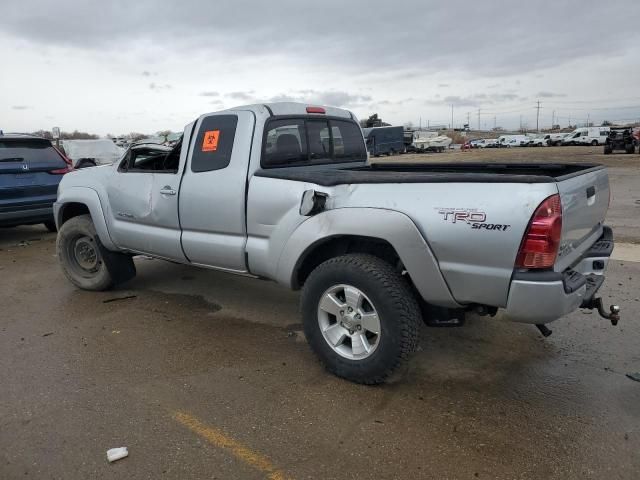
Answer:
(420, 124)
(521, 123)
(495, 122)
(468, 120)
(538, 117)
(553, 119)
(452, 116)
(588, 117)
(478, 119)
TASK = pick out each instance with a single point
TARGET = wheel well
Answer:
(71, 210)
(340, 245)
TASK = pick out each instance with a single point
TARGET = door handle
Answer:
(167, 190)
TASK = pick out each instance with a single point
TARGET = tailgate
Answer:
(585, 200)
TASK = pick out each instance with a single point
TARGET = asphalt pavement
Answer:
(206, 375)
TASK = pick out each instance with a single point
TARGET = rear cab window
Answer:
(297, 141)
(214, 143)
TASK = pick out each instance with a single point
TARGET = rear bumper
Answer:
(541, 297)
(26, 215)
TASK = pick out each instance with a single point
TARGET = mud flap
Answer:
(120, 265)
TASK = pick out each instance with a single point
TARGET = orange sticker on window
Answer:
(210, 141)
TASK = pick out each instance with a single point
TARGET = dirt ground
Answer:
(206, 375)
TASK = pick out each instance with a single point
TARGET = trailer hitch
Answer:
(614, 310)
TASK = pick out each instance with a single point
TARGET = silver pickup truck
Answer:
(285, 192)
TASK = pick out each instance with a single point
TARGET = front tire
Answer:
(85, 262)
(360, 317)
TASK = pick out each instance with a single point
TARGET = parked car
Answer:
(30, 171)
(537, 141)
(90, 153)
(507, 141)
(488, 143)
(554, 139)
(587, 136)
(620, 139)
(384, 140)
(376, 249)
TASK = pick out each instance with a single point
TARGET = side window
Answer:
(347, 141)
(151, 159)
(285, 143)
(214, 143)
(319, 139)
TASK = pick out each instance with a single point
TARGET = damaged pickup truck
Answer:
(285, 192)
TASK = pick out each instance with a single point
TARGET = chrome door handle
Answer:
(167, 190)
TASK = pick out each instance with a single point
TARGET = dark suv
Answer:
(30, 171)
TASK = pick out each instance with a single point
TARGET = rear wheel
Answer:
(630, 148)
(594, 143)
(360, 317)
(607, 149)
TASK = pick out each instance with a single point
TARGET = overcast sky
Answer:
(123, 66)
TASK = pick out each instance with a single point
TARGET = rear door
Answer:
(30, 171)
(213, 191)
(585, 200)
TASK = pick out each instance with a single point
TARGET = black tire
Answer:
(630, 149)
(607, 149)
(397, 308)
(51, 226)
(85, 262)
(594, 143)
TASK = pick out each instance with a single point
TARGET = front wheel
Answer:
(85, 262)
(360, 317)
(594, 143)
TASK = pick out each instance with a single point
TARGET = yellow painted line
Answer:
(220, 440)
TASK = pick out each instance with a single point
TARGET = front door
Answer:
(143, 196)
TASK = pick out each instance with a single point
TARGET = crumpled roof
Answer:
(104, 151)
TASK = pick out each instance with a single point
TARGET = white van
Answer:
(587, 136)
(512, 140)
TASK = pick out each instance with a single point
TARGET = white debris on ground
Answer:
(114, 454)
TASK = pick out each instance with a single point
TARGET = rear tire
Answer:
(594, 143)
(350, 343)
(607, 149)
(85, 262)
(630, 149)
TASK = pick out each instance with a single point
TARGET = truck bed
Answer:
(331, 175)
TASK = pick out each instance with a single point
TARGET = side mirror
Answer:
(312, 202)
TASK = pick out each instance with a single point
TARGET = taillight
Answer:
(67, 160)
(61, 171)
(541, 241)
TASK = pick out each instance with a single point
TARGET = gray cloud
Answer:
(147, 73)
(209, 94)
(474, 100)
(550, 94)
(330, 97)
(443, 85)
(155, 86)
(262, 28)
(243, 96)
(20, 107)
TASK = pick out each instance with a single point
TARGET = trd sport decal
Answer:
(477, 219)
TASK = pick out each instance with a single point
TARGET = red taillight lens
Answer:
(540, 244)
(67, 160)
(315, 110)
